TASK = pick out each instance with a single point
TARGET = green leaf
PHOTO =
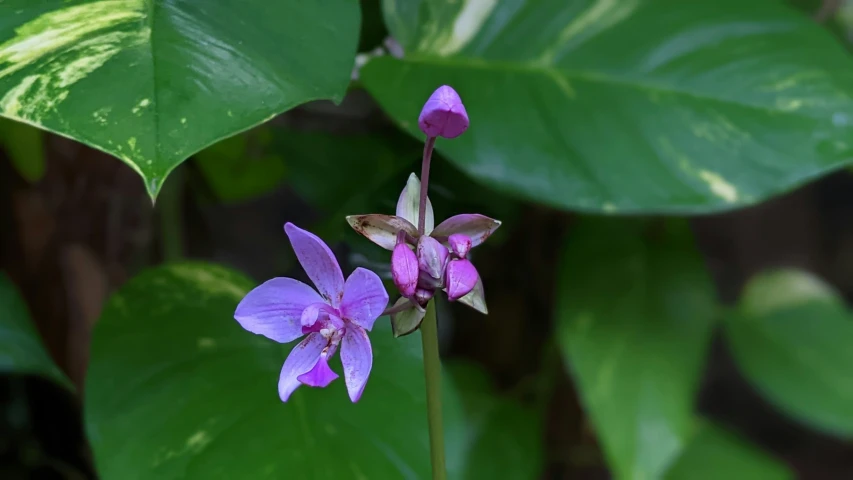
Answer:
(716, 454)
(791, 336)
(21, 349)
(240, 167)
(154, 81)
(626, 106)
(504, 438)
(634, 318)
(24, 146)
(173, 371)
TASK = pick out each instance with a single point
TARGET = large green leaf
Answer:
(174, 372)
(716, 454)
(634, 319)
(792, 336)
(21, 349)
(196, 395)
(626, 106)
(154, 81)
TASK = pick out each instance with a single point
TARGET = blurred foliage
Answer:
(792, 336)
(716, 454)
(21, 349)
(24, 145)
(637, 361)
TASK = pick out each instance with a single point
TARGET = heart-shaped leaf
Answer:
(634, 316)
(154, 81)
(173, 371)
(626, 106)
(792, 336)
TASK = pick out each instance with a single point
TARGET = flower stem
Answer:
(432, 373)
(430, 143)
(429, 337)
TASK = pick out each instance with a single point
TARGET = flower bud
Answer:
(423, 295)
(404, 269)
(432, 256)
(459, 244)
(443, 114)
(461, 278)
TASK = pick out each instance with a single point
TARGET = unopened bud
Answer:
(460, 244)
(432, 257)
(461, 278)
(443, 114)
(404, 269)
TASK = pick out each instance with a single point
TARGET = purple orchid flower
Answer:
(341, 314)
(440, 253)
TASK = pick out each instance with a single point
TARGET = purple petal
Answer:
(432, 256)
(404, 269)
(476, 298)
(319, 263)
(473, 225)
(302, 359)
(274, 308)
(460, 244)
(443, 114)
(423, 295)
(364, 298)
(461, 278)
(409, 202)
(357, 359)
(381, 229)
(319, 376)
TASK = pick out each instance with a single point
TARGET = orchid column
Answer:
(426, 260)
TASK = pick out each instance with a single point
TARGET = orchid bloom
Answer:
(437, 260)
(341, 314)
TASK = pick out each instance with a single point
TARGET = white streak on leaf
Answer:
(468, 22)
(600, 16)
(60, 48)
(719, 186)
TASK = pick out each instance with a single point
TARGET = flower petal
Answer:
(274, 308)
(319, 263)
(473, 225)
(314, 312)
(476, 298)
(461, 278)
(381, 229)
(319, 376)
(364, 298)
(302, 359)
(410, 199)
(406, 321)
(357, 359)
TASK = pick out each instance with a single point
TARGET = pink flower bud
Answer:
(432, 256)
(404, 269)
(459, 244)
(461, 278)
(443, 114)
(422, 296)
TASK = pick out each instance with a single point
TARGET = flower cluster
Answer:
(424, 260)
(422, 264)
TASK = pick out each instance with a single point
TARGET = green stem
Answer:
(171, 230)
(432, 374)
